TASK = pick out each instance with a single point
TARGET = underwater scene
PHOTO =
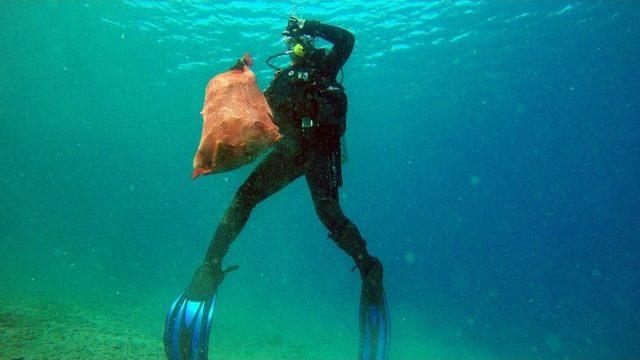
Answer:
(490, 163)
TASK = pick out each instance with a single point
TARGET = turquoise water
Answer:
(493, 167)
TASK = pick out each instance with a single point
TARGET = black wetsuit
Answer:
(310, 109)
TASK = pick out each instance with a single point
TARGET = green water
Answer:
(492, 167)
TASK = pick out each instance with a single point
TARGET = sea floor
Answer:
(45, 328)
(49, 329)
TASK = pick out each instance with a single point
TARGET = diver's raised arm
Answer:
(342, 39)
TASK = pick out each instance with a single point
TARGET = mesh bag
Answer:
(237, 123)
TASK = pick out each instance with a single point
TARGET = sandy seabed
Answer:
(44, 328)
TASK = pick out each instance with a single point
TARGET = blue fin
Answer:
(187, 328)
(374, 329)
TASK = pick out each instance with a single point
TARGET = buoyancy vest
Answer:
(298, 94)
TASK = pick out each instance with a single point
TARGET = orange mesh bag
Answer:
(237, 122)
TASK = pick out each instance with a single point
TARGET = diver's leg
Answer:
(347, 236)
(341, 229)
(283, 165)
(323, 177)
(188, 322)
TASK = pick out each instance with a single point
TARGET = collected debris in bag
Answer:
(237, 122)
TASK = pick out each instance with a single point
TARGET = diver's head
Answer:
(300, 48)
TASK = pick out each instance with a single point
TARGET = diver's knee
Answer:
(328, 211)
(246, 197)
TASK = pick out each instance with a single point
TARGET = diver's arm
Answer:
(342, 40)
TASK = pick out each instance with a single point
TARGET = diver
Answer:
(309, 106)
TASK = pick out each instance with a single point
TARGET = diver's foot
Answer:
(204, 283)
(371, 273)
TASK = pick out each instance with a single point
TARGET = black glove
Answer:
(245, 60)
(238, 66)
(294, 27)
